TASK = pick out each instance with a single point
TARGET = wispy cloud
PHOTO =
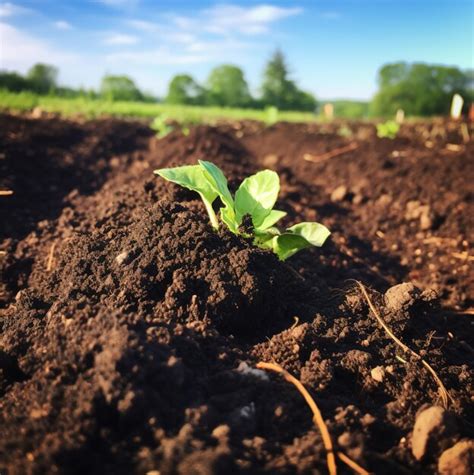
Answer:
(120, 3)
(11, 9)
(22, 50)
(143, 25)
(229, 19)
(330, 15)
(62, 25)
(158, 56)
(120, 39)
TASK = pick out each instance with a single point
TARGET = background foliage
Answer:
(419, 89)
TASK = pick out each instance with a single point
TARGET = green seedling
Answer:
(250, 212)
(345, 131)
(388, 129)
(161, 126)
(271, 115)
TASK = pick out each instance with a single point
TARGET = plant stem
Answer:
(211, 213)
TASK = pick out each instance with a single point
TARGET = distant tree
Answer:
(276, 87)
(226, 86)
(13, 81)
(419, 89)
(350, 109)
(42, 78)
(119, 88)
(304, 101)
(183, 89)
(280, 91)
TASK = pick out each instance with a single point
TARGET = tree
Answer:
(42, 78)
(227, 87)
(419, 89)
(13, 81)
(304, 101)
(280, 91)
(119, 88)
(183, 89)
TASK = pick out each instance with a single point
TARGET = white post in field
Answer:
(400, 116)
(456, 106)
(328, 111)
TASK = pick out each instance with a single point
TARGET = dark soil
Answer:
(130, 330)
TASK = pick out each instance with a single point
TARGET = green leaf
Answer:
(161, 127)
(192, 177)
(315, 233)
(256, 196)
(264, 238)
(388, 129)
(271, 115)
(218, 183)
(228, 218)
(272, 218)
(298, 237)
(287, 244)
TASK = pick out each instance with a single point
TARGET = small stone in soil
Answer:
(339, 193)
(432, 425)
(458, 460)
(378, 373)
(121, 258)
(401, 297)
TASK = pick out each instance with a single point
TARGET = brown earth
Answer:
(130, 329)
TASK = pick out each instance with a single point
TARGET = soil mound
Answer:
(130, 330)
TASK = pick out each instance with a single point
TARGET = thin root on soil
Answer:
(49, 263)
(445, 396)
(317, 417)
(332, 154)
(350, 463)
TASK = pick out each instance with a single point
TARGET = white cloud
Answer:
(10, 9)
(193, 53)
(183, 38)
(158, 56)
(62, 25)
(121, 39)
(228, 19)
(22, 50)
(143, 25)
(120, 3)
(330, 15)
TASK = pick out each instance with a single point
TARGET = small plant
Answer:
(271, 115)
(345, 131)
(250, 212)
(161, 126)
(388, 129)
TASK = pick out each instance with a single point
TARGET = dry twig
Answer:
(445, 396)
(355, 466)
(465, 132)
(333, 153)
(49, 264)
(318, 420)
(462, 255)
(317, 417)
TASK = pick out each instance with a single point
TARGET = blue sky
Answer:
(334, 48)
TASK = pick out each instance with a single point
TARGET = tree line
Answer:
(225, 86)
(419, 89)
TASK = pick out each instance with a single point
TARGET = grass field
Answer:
(91, 108)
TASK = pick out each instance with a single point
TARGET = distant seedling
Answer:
(161, 126)
(388, 129)
(250, 212)
(271, 115)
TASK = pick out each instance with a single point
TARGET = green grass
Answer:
(91, 108)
